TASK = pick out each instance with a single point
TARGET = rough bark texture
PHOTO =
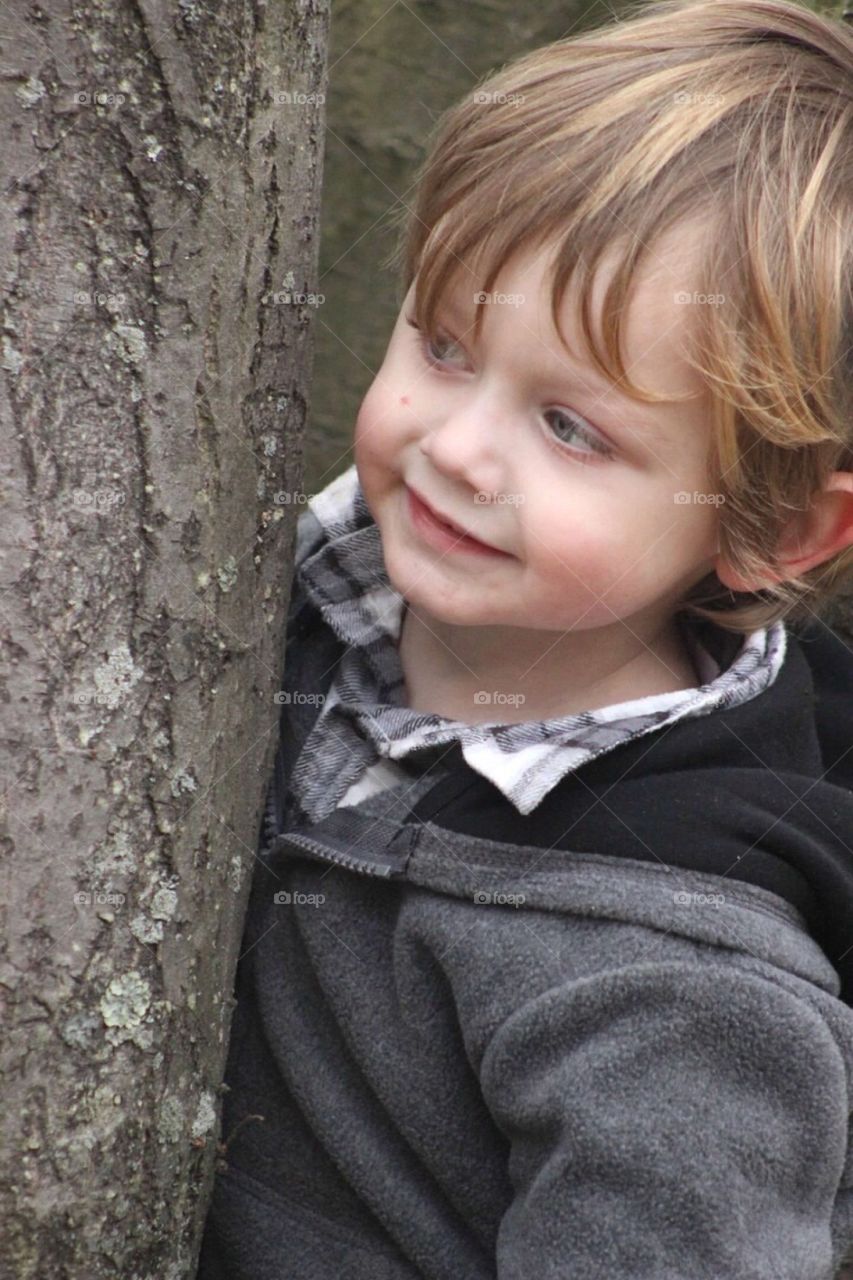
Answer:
(161, 170)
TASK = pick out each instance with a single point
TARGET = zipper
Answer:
(369, 866)
(269, 826)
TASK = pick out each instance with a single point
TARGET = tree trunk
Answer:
(161, 173)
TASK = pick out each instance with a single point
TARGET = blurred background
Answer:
(394, 66)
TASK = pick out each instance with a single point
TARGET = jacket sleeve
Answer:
(668, 1121)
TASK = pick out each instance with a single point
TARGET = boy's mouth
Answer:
(451, 536)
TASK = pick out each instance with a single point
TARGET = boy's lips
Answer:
(420, 509)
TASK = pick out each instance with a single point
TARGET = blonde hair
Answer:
(737, 111)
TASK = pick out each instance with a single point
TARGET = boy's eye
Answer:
(566, 424)
(428, 347)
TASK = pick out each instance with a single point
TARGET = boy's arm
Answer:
(668, 1122)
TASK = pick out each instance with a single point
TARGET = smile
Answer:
(443, 535)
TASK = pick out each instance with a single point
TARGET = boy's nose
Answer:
(465, 448)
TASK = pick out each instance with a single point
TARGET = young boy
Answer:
(548, 965)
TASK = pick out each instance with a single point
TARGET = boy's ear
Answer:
(809, 538)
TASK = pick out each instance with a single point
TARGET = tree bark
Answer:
(161, 174)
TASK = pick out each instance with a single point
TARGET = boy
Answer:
(548, 965)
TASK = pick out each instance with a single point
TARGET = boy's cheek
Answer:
(588, 569)
(383, 428)
(370, 438)
(378, 456)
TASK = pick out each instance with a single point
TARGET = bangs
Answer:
(461, 256)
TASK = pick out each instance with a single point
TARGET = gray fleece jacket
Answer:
(472, 1043)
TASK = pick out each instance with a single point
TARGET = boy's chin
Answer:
(441, 610)
(442, 605)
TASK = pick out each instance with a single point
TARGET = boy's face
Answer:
(580, 538)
